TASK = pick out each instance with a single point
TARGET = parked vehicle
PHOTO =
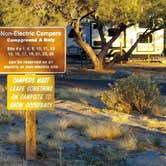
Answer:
(150, 48)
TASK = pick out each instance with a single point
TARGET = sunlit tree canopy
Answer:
(28, 13)
(120, 14)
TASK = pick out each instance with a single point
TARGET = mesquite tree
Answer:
(119, 14)
(153, 18)
(74, 12)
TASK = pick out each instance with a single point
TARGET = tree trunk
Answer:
(129, 52)
(107, 45)
(85, 46)
(89, 51)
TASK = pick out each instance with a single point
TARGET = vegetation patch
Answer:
(60, 124)
(135, 93)
(5, 116)
(75, 122)
(77, 94)
(160, 108)
(105, 130)
(17, 137)
(128, 143)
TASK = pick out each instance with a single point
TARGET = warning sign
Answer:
(32, 50)
(30, 92)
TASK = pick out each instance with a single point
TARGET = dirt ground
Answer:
(76, 132)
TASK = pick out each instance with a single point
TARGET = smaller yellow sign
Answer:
(30, 92)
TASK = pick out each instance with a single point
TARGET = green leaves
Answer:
(116, 11)
(28, 13)
(134, 93)
(55, 12)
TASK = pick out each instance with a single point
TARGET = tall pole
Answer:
(165, 41)
(121, 53)
(148, 50)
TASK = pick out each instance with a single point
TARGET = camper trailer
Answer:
(73, 50)
(149, 48)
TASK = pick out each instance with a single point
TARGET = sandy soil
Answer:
(62, 138)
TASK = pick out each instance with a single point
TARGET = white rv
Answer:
(152, 46)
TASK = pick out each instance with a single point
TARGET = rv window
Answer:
(94, 26)
(71, 33)
(111, 32)
(97, 43)
(146, 39)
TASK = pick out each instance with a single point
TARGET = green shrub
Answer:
(5, 116)
(160, 108)
(2, 95)
(134, 93)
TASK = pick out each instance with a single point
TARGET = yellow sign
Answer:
(30, 92)
(32, 50)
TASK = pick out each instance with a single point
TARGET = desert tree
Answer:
(28, 13)
(118, 14)
(153, 18)
(74, 13)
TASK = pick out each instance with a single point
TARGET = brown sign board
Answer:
(32, 50)
(30, 92)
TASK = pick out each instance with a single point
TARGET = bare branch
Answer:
(87, 14)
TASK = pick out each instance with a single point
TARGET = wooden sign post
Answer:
(30, 93)
(31, 50)
(30, 126)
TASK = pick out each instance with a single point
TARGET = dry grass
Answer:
(160, 108)
(63, 129)
(134, 93)
(60, 124)
(40, 138)
(103, 130)
(76, 94)
(54, 145)
(66, 123)
(129, 142)
(20, 114)
(64, 136)
(154, 123)
(9, 161)
(17, 138)
(149, 145)
(5, 116)
(78, 122)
